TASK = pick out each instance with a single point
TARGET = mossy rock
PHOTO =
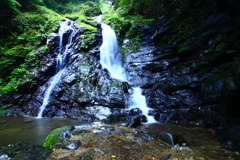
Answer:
(89, 27)
(57, 136)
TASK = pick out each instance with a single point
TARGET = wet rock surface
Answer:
(23, 151)
(189, 73)
(118, 142)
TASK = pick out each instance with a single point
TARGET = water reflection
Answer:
(29, 129)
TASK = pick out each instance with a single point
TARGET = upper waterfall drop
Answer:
(64, 30)
(110, 58)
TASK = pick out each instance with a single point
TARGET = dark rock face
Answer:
(193, 74)
(190, 73)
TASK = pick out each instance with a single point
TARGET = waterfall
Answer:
(65, 28)
(139, 101)
(110, 59)
(109, 54)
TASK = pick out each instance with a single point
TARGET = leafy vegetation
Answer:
(4, 110)
(19, 38)
(12, 4)
(104, 6)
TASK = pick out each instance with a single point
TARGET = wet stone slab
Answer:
(107, 142)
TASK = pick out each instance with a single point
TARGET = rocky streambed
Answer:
(96, 141)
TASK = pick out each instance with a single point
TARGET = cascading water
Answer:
(139, 101)
(65, 27)
(110, 58)
(109, 54)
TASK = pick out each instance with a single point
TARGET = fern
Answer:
(13, 4)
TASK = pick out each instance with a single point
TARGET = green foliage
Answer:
(119, 24)
(18, 6)
(13, 4)
(104, 6)
(231, 51)
(146, 8)
(4, 110)
(134, 31)
(73, 6)
(88, 40)
(29, 4)
(125, 24)
(91, 9)
(45, 48)
(17, 76)
(20, 36)
(135, 3)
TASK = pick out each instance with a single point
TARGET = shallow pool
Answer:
(30, 129)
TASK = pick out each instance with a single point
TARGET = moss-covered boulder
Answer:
(57, 136)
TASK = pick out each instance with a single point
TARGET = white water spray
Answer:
(109, 54)
(99, 19)
(110, 58)
(65, 26)
(139, 101)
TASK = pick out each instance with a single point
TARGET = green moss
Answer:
(114, 84)
(87, 26)
(86, 66)
(57, 136)
(75, 16)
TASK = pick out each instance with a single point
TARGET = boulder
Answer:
(57, 136)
